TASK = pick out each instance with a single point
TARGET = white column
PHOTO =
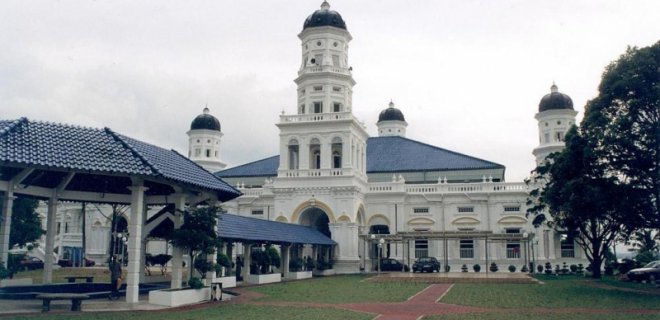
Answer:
(285, 260)
(135, 242)
(51, 229)
(7, 204)
(177, 253)
(247, 260)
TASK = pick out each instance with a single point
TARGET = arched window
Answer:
(293, 154)
(336, 152)
(315, 154)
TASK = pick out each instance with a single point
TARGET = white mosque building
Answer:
(387, 195)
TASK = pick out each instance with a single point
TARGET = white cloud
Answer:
(468, 75)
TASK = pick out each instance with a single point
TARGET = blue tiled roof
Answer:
(61, 146)
(398, 154)
(260, 168)
(384, 154)
(237, 227)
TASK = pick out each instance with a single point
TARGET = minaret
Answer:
(391, 122)
(325, 83)
(204, 142)
(555, 117)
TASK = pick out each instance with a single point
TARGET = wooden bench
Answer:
(72, 279)
(76, 300)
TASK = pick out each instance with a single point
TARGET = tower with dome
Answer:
(390, 196)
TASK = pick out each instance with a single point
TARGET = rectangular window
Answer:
(420, 210)
(318, 107)
(335, 61)
(513, 250)
(336, 107)
(198, 152)
(547, 137)
(560, 136)
(511, 208)
(465, 209)
(421, 248)
(567, 247)
(467, 249)
(336, 89)
(208, 153)
(512, 230)
(302, 109)
(257, 211)
(318, 88)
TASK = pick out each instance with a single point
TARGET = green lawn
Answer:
(536, 316)
(556, 292)
(234, 311)
(339, 289)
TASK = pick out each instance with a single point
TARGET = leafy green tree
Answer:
(624, 122)
(25, 223)
(579, 198)
(197, 234)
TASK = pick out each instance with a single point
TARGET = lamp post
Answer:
(381, 241)
(526, 239)
(373, 240)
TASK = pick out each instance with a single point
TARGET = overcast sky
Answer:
(468, 75)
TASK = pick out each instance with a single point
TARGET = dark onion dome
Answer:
(205, 121)
(324, 17)
(555, 100)
(391, 114)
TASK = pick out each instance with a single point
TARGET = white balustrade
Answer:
(316, 117)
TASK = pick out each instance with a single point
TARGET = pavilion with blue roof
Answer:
(58, 162)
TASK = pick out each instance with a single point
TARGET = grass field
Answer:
(340, 289)
(235, 311)
(556, 292)
(558, 298)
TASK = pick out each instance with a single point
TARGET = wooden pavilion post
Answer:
(285, 259)
(51, 230)
(7, 204)
(177, 253)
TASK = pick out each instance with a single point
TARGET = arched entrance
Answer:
(317, 219)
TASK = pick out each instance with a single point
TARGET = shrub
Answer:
(548, 268)
(309, 264)
(195, 283)
(580, 268)
(524, 269)
(261, 262)
(512, 268)
(564, 269)
(203, 266)
(4, 273)
(223, 260)
(476, 268)
(557, 269)
(447, 268)
(574, 268)
(273, 257)
(464, 268)
(539, 268)
(295, 265)
(493, 267)
(609, 270)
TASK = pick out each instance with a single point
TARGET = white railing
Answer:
(467, 253)
(314, 173)
(478, 187)
(252, 192)
(316, 69)
(567, 253)
(513, 253)
(316, 117)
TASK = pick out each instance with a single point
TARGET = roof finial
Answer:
(206, 109)
(325, 5)
(554, 87)
(391, 104)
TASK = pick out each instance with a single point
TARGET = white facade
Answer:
(322, 171)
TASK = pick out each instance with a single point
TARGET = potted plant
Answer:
(476, 268)
(524, 269)
(464, 268)
(539, 269)
(324, 268)
(198, 236)
(263, 260)
(548, 268)
(493, 267)
(223, 271)
(296, 270)
(512, 268)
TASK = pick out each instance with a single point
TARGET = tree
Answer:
(197, 234)
(580, 199)
(624, 122)
(25, 223)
